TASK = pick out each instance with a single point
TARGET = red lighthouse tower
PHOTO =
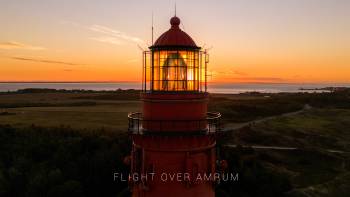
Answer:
(174, 138)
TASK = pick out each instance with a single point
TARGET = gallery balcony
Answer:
(208, 125)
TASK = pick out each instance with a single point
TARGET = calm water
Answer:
(213, 87)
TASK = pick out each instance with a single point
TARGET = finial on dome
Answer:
(175, 21)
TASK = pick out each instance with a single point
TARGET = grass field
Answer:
(320, 128)
(66, 109)
(312, 169)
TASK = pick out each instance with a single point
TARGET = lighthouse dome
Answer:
(175, 37)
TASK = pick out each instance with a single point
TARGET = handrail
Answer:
(211, 124)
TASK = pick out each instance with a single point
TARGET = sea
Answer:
(222, 88)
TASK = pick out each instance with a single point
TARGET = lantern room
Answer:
(175, 63)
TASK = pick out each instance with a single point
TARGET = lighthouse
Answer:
(174, 137)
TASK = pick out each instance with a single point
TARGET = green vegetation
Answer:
(318, 167)
(60, 161)
(76, 109)
(256, 177)
(69, 143)
(245, 108)
(250, 106)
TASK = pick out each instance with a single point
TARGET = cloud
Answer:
(18, 45)
(257, 79)
(44, 61)
(111, 36)
(239, 73)
(114, 36)
(276, 79)
(228, 73)
(106, 39)
(235, 75)
(233, 72)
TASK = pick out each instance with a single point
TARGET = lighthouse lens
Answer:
(175, 70)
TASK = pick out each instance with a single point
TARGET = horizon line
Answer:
(248, 82)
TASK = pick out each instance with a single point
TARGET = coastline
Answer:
(221, 88)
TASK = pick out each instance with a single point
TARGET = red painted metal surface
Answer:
(172, 157)
(174, 36)
(167, 157)
(183, 107)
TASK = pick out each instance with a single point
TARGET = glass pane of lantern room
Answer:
(190, 70)
(163, 72)
(183, 55)
(156, 70)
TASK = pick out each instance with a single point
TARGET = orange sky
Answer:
(274, 41)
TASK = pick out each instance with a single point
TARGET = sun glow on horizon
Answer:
(293, 41)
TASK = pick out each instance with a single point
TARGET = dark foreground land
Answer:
(69, 143)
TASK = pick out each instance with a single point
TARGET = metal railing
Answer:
(209, 125)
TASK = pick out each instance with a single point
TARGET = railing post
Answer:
(160, 125)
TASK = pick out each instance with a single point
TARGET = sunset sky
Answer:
(279, 41)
